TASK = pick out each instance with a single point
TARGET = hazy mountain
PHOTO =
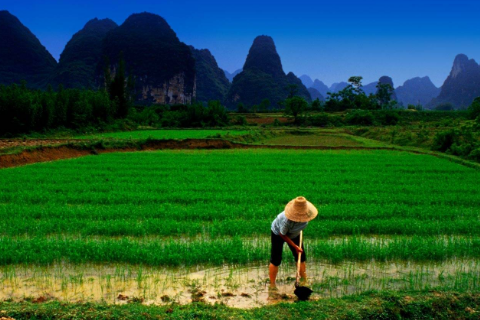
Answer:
(307, 81)
(315, 94)
(417, 91)
(22, 56)
(370, 88)
(321, 87)
(263, 77)
(388, 80)
(163, 67)
(462, 85)
(82, 54)
(302, 91)
(338, 87)
(211, 81)
(230, 76)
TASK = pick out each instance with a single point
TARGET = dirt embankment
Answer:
(51, 153)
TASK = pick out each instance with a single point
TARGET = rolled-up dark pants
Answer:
(277, 250)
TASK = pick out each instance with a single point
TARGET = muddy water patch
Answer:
(236, 286)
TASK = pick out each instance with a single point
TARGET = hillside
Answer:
(82, 54)
(417, 91)
(163, 67)
(263, 77)
(462, 85)
(22, 56)
(212, 84)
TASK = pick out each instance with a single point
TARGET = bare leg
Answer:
(273, 271)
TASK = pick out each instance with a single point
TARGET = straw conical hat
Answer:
(300, 210)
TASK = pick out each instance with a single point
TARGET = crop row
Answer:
(228, 250)
(231, 227)
(210, 205)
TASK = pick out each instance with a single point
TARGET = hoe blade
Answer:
(303, 293)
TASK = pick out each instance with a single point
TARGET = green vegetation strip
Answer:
(190, 203)
(219, 251)
(373, 305)
(165, 134)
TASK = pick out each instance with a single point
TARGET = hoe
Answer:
(302, 292)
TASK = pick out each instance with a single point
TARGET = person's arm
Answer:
(290, 242)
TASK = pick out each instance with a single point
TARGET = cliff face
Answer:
(82, 54)
(22, 56)
(462, 85)
(417, 91)
(211, 81)
(263, 77)
(162, 66)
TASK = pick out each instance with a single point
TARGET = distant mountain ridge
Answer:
(370, 88)
(417, 91)
(22, 56)
(462, 86)
(230, 76)
(334, 88)
(79, 59)
(307, 81)
(211, 83)
(315, 94)
(163, 67)
(263, 77)
(321, 87)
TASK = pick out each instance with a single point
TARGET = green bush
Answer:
(360, 117)
(461, 142)
(321, 120)
(325, 120)
(444, 140)
(388, 118)
(475, 154)
(474, 109)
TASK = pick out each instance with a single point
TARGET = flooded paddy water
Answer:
(235, 286)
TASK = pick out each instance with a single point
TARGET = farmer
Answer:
(286, 228)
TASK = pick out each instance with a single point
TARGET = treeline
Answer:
(351, 97)
(463, 141)
(23, 110)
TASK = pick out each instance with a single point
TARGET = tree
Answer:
(384, 94)
(264, 105)
(445, 107)
(295, 107)
(292, 90)
(356, 83)
(316, 105)
(474, 109)
(241, 108)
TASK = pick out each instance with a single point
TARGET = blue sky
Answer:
(329, 40)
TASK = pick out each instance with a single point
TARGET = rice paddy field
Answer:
(186, 226)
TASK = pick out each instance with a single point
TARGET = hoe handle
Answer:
(299, 257)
